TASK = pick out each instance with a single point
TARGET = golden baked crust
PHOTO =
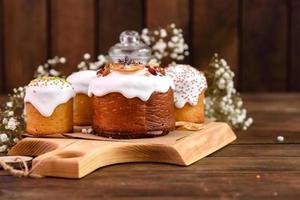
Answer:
(83, 112)
(61, 120)
(118, 117)
(191, 113)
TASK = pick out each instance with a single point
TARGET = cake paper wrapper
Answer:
(183, 129)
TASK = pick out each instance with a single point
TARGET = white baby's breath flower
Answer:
(81, 65)
(146, 39)
(10, 113)
(86, 56)
(171, 44)
(175, 31)
(51, 61)
(163, 33)
(15, 140)
(93, 66)
(3, 137)
(250, 120)
(62, 60)
(174, 39)
(158, 55)
(54, 72)
(40, 69)
(4, 121)
(102, 59)
(222, 70)
(223, 62)
(179, 49)
(3, 148)
(181, 57)
(9, 104)
(221, 83)
(160, 46)
(152, 39)
(239, 103)
(174, 55)
(153, 62)
(11, 124)
(226, 76)
(145, 31)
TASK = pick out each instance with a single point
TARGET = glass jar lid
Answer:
(131, 46)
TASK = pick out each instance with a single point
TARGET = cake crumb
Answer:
(280, 138)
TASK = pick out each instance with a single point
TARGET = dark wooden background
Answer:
(259, 38)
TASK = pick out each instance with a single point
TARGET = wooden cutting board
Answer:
(75, 158)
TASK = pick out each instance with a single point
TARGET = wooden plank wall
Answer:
(2, 77)
(264, 40)
(72, 30)
(25, 39)
(259, 39)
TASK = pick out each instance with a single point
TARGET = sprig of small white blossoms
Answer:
(167, 43)
(12, 119)
(222, 101)
(50, 67)
(86, 64)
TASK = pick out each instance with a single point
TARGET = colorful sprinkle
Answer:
(189, 83)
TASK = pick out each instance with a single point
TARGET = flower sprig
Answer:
(87, 64)
(50, 67)
(167, 44)
(12, 119)
(222, 101)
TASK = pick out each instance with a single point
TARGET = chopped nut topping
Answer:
(104, 71)
(152, 71)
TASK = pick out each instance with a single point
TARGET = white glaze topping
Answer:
(189, 83)
(139, 84)
(46, 93)
(81, 80)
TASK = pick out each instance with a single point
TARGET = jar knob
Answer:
(129, 38)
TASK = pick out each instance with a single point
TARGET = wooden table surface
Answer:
(255, 166)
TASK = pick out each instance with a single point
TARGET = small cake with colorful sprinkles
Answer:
(190, 85)
(49, 106)
(82, 113)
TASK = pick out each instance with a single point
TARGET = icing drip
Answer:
(139, 84)
(189, 83)
(46, 93)
(81, 80)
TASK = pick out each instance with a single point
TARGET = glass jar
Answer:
(131, 46)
